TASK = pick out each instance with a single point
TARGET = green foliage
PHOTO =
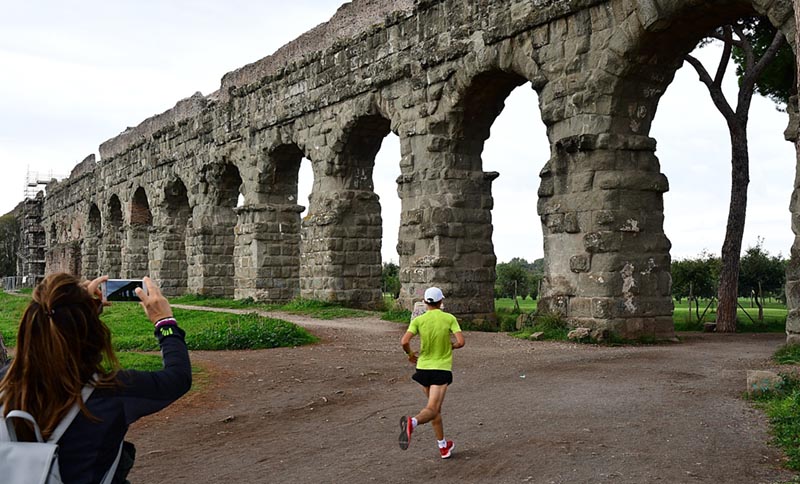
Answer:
(554, 327)
(757, 267)
(777, 82)
(397, 315)
(519, 277)
(9, 243)
(390, 279)
(787, 355)
(783, 410)
(699, 274)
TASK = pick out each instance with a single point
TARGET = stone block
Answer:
(580, 263)
(602, 241)
(599, 284)
(760, 382)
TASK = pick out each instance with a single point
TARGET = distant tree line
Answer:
(519, 278)
(9, 244)
(761, 276)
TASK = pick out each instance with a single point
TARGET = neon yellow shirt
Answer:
(434, 328)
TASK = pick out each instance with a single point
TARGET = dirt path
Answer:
(518, 411)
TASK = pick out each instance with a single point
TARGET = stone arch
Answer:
(212, 232)
(342, 231)
(90, 247)
(111, 246)
(169, 263)
(136, 251)
(452, 234)
(267, 254)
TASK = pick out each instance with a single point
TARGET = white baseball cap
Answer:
(433, 295)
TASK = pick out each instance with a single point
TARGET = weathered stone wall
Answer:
(436, 73)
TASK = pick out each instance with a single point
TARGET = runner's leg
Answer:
(432, 411)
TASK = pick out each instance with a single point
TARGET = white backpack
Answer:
(37, 462)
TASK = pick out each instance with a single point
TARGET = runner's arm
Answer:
(406, 342)
(459, 340)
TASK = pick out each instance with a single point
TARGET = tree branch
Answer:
(752, 73)
(716, 91)
(749, 56)
(726, 56)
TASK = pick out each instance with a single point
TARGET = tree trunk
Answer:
(732, 247)
(760, 302)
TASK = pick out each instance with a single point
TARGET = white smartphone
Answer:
(121, 289)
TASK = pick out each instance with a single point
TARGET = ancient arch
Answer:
(268, 241)
(111, 246)
(136, 249)
(90, 249)
(345, 209)
(435, 73)
(168, 263)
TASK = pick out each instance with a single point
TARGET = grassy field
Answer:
(307, 307)
(132, 332)
(774, 317)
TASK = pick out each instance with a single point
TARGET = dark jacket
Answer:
(87, 449)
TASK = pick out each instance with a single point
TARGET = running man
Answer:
(434, 366)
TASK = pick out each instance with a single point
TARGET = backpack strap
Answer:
(70, 416)
(109, 477)
(12, 432)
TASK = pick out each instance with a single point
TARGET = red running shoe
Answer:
(405, 432)
(447, 449)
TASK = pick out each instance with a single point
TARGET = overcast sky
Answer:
(74, 74)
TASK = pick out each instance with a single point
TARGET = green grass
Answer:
(11, 308)
(553, 327)
(131, 330)
(140, 361)
(787, 355)
(774, 317)
(783, 411)
(397, 315)
(306, 307)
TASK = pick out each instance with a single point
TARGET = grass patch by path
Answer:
(131, 330)
(553, 327)
(305, 307)
(783, 411)
(787, 355)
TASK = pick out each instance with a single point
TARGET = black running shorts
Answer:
(427, 378)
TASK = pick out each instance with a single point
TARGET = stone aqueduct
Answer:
(163, 198)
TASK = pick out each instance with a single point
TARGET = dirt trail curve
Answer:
(518, 411)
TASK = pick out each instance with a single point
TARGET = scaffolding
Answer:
(32, 240)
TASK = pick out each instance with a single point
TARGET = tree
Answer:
(513, 280)
(695, 278)
(9, 244)
(390, 280)
(760, 273)
(738, 35)
(778, 81)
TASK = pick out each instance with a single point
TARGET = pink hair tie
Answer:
(165, 322)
